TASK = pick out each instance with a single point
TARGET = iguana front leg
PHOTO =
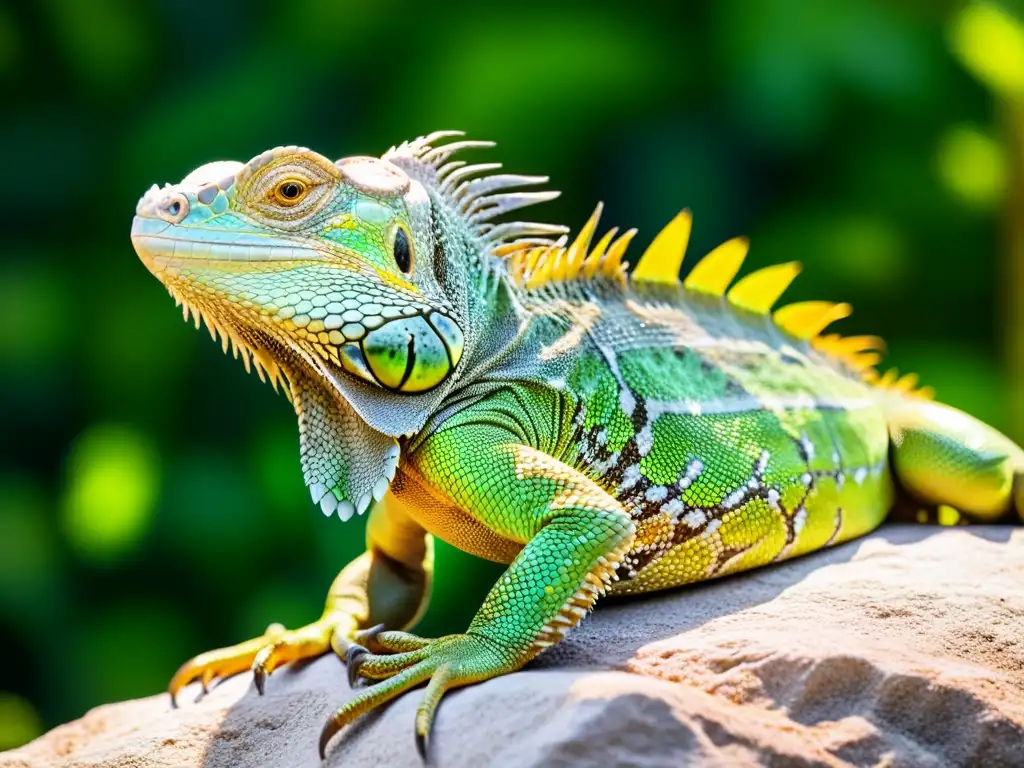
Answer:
(387, 585)
(574, 534)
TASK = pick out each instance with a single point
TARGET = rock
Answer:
(905, 648)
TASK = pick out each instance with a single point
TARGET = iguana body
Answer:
(529, 403)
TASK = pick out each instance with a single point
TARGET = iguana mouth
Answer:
(162, 245)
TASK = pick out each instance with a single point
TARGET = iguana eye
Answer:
(402, 250)
(290, 192)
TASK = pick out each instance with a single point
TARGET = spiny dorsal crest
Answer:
(532, 265)
(906, 384)
(474, 192)
(535, 266)
(535, 259)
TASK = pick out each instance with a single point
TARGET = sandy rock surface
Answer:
(902, 649)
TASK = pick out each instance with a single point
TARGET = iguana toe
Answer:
(220, 663)
(448, 662)
(262, 655)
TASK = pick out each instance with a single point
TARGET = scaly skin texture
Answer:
(528, 402)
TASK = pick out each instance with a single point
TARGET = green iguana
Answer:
(528, 401)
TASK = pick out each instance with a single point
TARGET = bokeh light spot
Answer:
(972, 166)
(113, 480)
(866, 250)
(990, 43)
(19, 722)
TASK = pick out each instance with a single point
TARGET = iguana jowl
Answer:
(528, 402)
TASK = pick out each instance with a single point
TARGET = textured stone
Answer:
(902, 649)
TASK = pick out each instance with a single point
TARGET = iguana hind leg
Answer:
(387, 585)
(943, 456)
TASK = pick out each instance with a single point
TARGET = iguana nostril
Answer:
(173, 208)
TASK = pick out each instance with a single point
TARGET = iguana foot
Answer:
(448, 662)
(266, 653)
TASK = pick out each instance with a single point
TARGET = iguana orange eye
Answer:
(290, 192)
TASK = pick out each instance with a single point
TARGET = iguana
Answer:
(529, 401)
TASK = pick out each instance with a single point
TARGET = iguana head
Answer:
(353, 279)
(320, 257)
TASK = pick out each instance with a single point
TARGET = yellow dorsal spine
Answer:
(906, 383)
(715, 272)
(903, 385)
(758, 291)
(863, 361)
(661, 261)
(581, 245)
(888, 378)
(559, 265)
(523, 262)
(860, 353)
(611, 265)
(806, 319)
(511, 249)
(542, 271)
(855, 344)
(592, 263)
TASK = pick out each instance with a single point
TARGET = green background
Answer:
(151, 502)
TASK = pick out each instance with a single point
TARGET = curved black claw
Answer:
(422, 745)
(174, 700)
(259, 676)
(326, 735)
(354, 658)
(368, 637)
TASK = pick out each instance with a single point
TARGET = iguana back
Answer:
(730, 441)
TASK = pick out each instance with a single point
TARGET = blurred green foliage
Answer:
(151, 503)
